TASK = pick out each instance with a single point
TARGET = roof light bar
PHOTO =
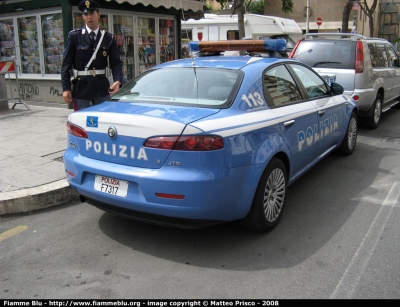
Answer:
(278, 44)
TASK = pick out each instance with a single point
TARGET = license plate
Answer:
(111, 186)
(329, 79)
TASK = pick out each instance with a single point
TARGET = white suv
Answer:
(367, 68)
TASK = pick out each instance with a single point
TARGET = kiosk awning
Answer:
(186, 5)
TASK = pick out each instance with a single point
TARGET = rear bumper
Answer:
(365, 101)
(211, 196)
(151, 218)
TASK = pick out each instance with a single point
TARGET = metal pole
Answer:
(68, 24)
(66, 9)
(308, 16)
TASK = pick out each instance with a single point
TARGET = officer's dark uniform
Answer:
(78, 52)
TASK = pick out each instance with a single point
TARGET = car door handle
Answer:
(322, 112)
(288, 123)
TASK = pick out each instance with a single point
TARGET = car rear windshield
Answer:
(330, 53)
(185, 86)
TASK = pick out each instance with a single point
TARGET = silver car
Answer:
(367, 68)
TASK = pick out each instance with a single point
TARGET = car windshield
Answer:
(327, 53)
(188, 86)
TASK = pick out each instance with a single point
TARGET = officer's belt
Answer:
(92, 72)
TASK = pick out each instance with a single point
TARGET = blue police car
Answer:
(199, 141)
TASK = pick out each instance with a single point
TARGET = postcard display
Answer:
(123, 31)
(29, 45)
(7, 42)
(37, 41)
(167, 43)
(146, 43)
(53, 42)
(186, 37)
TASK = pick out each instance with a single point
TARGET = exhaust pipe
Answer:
(82, 198)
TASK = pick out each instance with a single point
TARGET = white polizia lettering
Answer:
(122, 151)
(311, 135)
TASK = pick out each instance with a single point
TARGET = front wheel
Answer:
(269, 199)
(350, 138)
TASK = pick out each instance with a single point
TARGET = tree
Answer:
(287, 6)
(369, 11)
(255, 7)
(345, 17)
(238, 5)
(223, 3)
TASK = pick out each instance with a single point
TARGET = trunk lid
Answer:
(116, 131)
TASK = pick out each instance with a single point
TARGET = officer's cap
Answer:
(88, 5)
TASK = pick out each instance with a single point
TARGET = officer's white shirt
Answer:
(95, 31)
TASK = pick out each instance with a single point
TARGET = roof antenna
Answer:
(187, 35)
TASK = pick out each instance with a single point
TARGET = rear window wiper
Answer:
(326, 62)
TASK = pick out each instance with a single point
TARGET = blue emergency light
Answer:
(278, 44)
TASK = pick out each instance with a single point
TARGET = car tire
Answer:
(349, 142)
(373, 122)
(268, 202)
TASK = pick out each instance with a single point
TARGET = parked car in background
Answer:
(200, 141)
(367, 68)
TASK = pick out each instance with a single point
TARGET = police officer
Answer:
(90, 83)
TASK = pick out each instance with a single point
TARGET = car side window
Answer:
(313, 84)
(280, 86)
(393, 58)
(382, 56)
(373, 55)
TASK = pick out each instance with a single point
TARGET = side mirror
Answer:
(336, 89)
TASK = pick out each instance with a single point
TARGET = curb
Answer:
(36, 198)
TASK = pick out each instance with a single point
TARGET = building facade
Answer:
(386, 17)
(331, 13)
(33, 34)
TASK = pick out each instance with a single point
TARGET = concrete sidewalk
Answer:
(32, 144)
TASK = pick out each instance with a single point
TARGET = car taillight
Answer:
(295, 48)
(70, 173)
(161, 142)
(189, 143)
(76, 131)
(359, 64)
(172, 196)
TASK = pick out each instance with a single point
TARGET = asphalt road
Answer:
(338, 238)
